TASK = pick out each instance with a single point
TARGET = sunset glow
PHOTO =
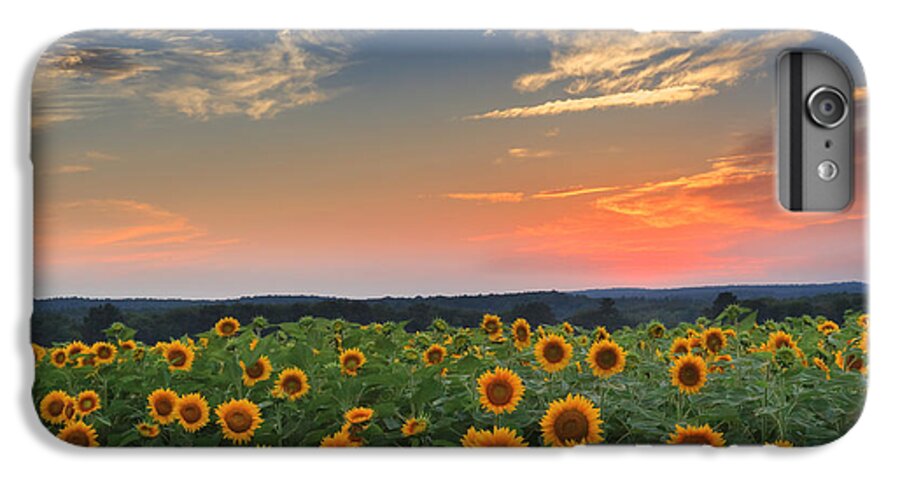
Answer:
(218, 164)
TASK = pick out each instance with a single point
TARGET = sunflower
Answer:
(79, 433)
(571, 421)
(656, 330)
(567, 327)
(714, 340)
(259, 371)
(127, 345)
(688, 373)
(58, 357)
(53, 407)
(414, 426)
(521, 333)
(227, 326)
(339, 439)
(88, 401)
(606, 358)
(828, 327)
(780, 339)
(500, 390)
(821, 365)
(600, 334)
(863, 321)
(253, 343)
(720, 363)
(359, 415)
(239, 419)
(162, 403)
(850, 362)
(76, 348)
(782, 443)
(680, 346)
(147, 430)
(179, 356)
(553, 353)
(351, 361)
(192, 411)
(492, 325)
(696, 435)
(499, 437)
(104, 352)
(39, 352)
(292, 384)
(434, 354)
(864, 342)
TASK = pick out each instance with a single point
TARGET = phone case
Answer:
(429, 238)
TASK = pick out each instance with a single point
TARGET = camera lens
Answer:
(827, 107)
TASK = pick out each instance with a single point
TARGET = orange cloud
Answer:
(640, 98)
(117, 231)
(70, 169)
(489, 197)
(722, 224)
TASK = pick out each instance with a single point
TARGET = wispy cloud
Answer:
(118, 231)
(197, 74)
(70, 169)
(488, 197)
(640, 98)
(629, 69)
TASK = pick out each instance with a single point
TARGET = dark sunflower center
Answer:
(681, 348)
(434, 356)
(714, 343)
(571, 425)
(351, 363)
(78, 438)
(689, 375)
(255, 370)
(190, 413)
(227, 328)
(854, 363)
(521, 333)
(56, 407)
(607, 359)
(70, 410)
(238, 421)
(695, 439)
(163, 407)
(553, 352)
(499, 392)
(104, 352)
(60, 357)
(782, 342)
(292, 385)
(86, 404)
(177, 358)
(491, 327)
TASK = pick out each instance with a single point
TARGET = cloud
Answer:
(488, 197)
(70, 169)
(117, 231)
(525, 153)
(197, 74)
(640, 98)
(719, 224)
(630, 69)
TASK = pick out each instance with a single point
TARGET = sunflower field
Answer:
(732, 380)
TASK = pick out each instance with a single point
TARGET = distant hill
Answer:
(709, 293)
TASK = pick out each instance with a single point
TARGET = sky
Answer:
(216, 164)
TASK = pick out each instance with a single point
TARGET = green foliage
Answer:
(756, 397)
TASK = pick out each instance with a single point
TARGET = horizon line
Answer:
(436, 295)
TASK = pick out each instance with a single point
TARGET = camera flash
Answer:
(827, 170)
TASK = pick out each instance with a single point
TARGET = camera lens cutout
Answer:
(827, 107)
